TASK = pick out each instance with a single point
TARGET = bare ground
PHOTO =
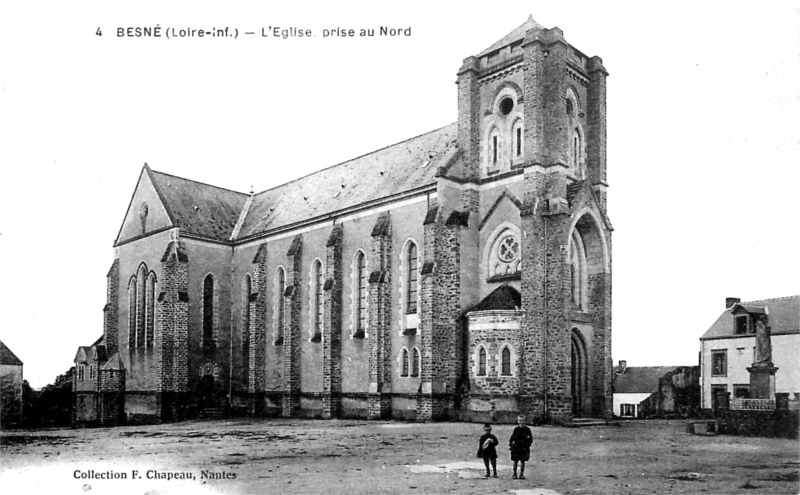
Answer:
(270, 456)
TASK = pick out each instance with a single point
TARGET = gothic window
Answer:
(317, 303)
(411, 279)
(577, 159)
(81, 371)
(517, 137)
(504, 257)
(505, 362)
(143, 210)
(415, 362)
(208, 316)
(150, 311)
(280, 304)
(132, 313)
(91, 372)
(481, 361)
(247, 290)
(360, 300)
(493, 149)
(577, 270)
(141, 305)
(404, 362)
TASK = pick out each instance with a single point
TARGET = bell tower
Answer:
(532, 118)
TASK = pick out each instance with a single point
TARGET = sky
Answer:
(703, 138)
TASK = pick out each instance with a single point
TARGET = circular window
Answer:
(508, 250)
(506, 105)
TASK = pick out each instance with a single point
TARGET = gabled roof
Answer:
(640, 380)
(517, 34)
(392, 170)
(197, 208)
(502, 298)
(784, 317)
(8, 357)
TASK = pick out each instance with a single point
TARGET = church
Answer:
(463, 274)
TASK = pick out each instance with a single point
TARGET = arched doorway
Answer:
(579, 371)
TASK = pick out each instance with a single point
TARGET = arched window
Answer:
(411, 279)
(577, 270)
(141, 305)
(481, 361)
(415, 362)
(280, 305)
(247, 290)
(208, 316)
(505, 362)
(317, 303)
(360, 312)
(132, 313)
(150, 311)
(517, 139)
(577, 159)
(493, 150)
(404, 362)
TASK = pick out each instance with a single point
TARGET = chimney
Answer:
(730, 301)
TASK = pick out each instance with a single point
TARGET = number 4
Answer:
(99, 33)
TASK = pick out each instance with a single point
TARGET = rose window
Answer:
(508, 249)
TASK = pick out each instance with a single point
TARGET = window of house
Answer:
(741, 391)
(361, 295)
(404, 362)
(208, 316)
(505, 362)
(719, 363)
(415, 362)
(411, 280)
(81, 371)
(280, 304)
(740, 325)
(482, 362)
(627, 410)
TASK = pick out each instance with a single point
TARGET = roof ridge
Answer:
(198, 182)
(355, 158)
(770, 299)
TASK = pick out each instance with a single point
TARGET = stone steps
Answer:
(587, 422)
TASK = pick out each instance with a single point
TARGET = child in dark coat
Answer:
(520, 445)
(486, 449)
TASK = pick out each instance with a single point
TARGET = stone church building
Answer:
(462, 274)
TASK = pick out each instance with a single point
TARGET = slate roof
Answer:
(197, 208)
(640, 379)
(392, 170)
(504, 297)
(8, 357)
(517, 34)
(784, 317)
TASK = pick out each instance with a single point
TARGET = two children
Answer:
(519, 444)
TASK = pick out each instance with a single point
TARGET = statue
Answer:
(763, 344)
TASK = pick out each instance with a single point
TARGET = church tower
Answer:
(532, 128)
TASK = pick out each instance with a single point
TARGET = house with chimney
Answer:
(751, 352)
(655, 391)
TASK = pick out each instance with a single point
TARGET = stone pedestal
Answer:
(762, 381)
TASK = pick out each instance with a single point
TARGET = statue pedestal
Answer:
(762, 381)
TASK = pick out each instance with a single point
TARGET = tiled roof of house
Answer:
(784, 317)
(383, 173)
(640, 379)
(8, 357)
(504, 297)
(198, 208)
(517, 34)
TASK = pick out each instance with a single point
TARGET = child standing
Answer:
(486, 449)
(520, 445)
